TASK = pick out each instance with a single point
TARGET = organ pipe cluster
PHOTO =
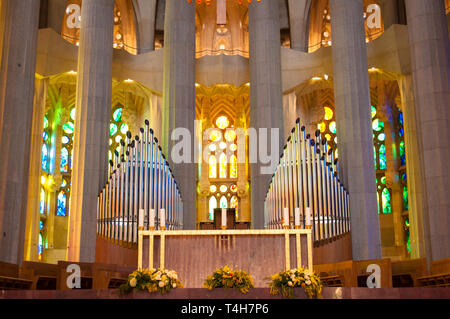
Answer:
(305, 191)
(141, 191)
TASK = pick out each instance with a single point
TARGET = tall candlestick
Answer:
(151, 225)
(162, 219)
(224, 218)
(297, 218)
(286, 218)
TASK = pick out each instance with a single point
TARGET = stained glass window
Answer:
(402, 153)
(61, 204)
(112, 129)
(72, 114)
(44, 161)
(212, 167)
(213, 188)
(382, 156)
(117, 114)
(68, 128)
(222, 122)
(234, 204)
(40, 247)
(223, 202)
(64, 160)
(223, 166)
(328, 113)
(233, 166)
(42, 201)
(386, 201)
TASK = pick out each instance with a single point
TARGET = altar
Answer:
(195, 254)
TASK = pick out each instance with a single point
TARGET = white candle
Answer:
(286, 217)
(141, 219)
(297, 217)
(308, 216)
(162, 218)
(152, 219)
(224, 218)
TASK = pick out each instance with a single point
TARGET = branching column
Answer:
(354, 125)
(93, 105)
(18, 33)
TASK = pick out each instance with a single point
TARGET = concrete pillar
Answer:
(266, 109)
(430, 59)
(34, 175)
(354, 125)
(56, 11)
(179, 96)
(18, 58)
(299, 11)
(418, 213)
(145, 11)
(93, 105)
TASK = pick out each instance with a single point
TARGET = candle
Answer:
(286, 217)
(141, 219)
(152, 219)
(297, 218)
(162, 218)
(224, 218)
(308, 217)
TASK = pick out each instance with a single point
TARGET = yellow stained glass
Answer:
(233, 147)
(322, 127)
(328, 137)
(328, 113)
(212, 167)
(213, 188)
(230, 135)
(223, 166)
(336, 154)
(233, 166)
(222, 122)
(234, 204)
(215, 135)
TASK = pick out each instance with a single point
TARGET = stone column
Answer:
(145, 11)
(179, 96)
(389, 12)
(18, 58)
(430, 64)
(34, 175)
(418, 213)
(93, 103)
(266, 110)
(354, 125)
(299, 23)
(392, 164)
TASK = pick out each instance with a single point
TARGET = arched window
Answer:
(223, 166)
(212, 167)
(223, 202)
(212, 206)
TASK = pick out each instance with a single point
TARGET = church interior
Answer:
(97, 95)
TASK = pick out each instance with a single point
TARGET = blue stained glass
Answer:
(61, 204)
(402, 153)
(405, 198)
(41, 225)
(382, 152)
(40, 246)
(386, 201)
(44, 163)
(42, 202)
(64, 160)
(400, 119)
(401, 132)
(375, 156)
(378, 201)
(404, 177)
(45, 135)
(65, 139)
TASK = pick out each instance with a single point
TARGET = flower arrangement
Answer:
(152, 280)
(228, 278)
(287, 280)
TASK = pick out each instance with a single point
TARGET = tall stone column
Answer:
(18, 59)
(93, 105)
(179, 96)
(418, 214)
(389, 12)
(354, 125)
(299, 11)
(430, 65)
(34, 176)
(266, 105)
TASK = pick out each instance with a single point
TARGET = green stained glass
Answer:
(405, 198)
(68, 128)
(378, 202)
(377, 125)
(117, 115)
(333, 127)
(112, 129)
(375, 156)
(382, 157)
(124, 128)
(45, 122)
(386, 201)
(373, 111)
(383, 180)
(72, 114)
